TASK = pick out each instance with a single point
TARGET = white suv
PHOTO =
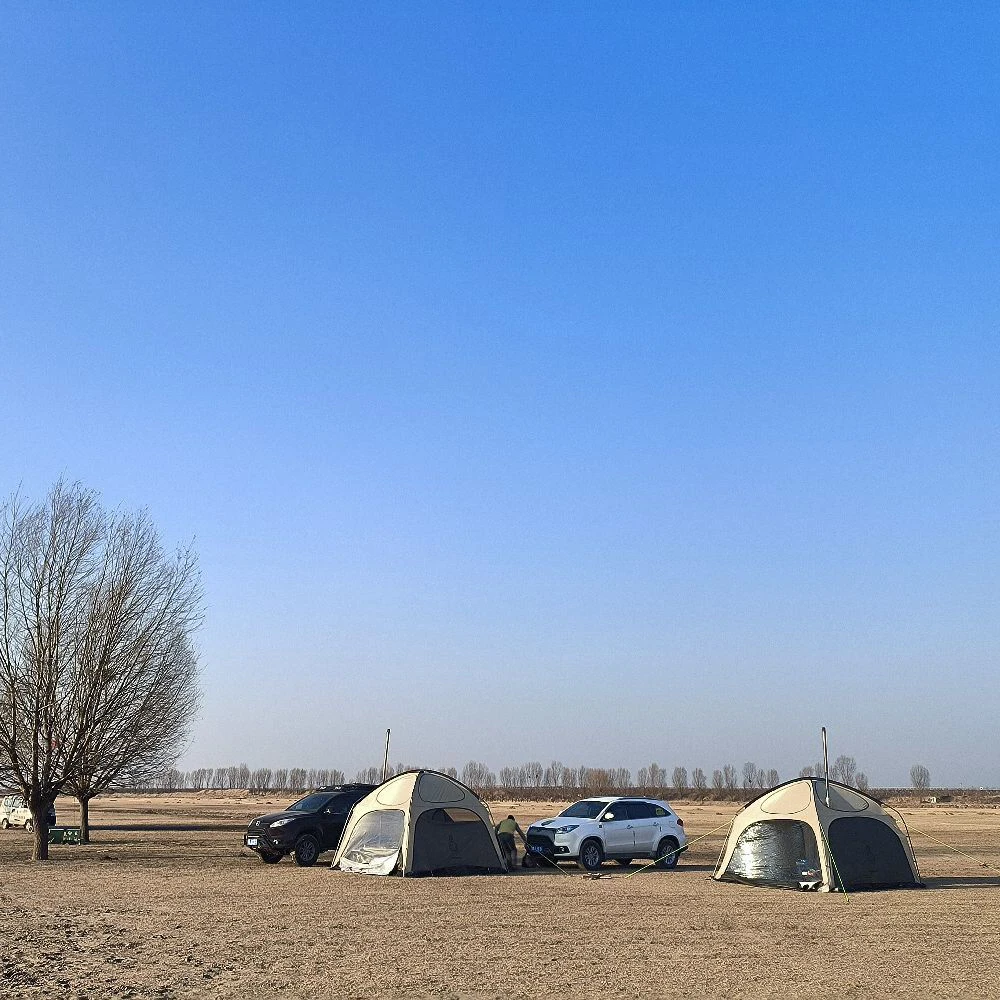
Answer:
(608, 827)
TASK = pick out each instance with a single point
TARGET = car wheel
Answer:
(4, 823)
(29, 825)
(591, 855)
(270, 859)
(306, 850)
(667, 854)
(624, 862)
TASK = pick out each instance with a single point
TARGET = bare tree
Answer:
(619, 779)
(920, 777)
(698, 780)
(861, 781)
(170, 781)
(844, 770)
(772, 778)
(98, 679)
(48, 565)
(729, 776)
(680, 778)
(807, 772)
(749, 774)
(478, 776)
(718, 780)
(553, 774)
(139, 661)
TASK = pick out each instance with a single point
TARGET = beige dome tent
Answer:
(420, 823)
(814, 835)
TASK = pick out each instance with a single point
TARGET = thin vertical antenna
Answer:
(385, 762)
(826, 768)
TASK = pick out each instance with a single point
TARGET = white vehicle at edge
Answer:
(613, 828)
(15, 812)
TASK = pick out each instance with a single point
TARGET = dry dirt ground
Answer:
(166, 904)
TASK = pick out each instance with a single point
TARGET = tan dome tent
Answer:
(420, 823)
(790, 837)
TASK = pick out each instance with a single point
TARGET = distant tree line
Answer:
(241, 777)
(532, 779)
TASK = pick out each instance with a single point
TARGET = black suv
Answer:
(307, 827)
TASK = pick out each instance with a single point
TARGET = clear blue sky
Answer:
(597, 383)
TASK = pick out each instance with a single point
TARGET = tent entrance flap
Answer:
(452, 842)
(868, 854)
(778, 852)
(375, 843)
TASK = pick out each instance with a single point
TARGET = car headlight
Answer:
(282, 822)
(567, 829)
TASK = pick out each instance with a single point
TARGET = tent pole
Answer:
(385, 762)
(826, 767)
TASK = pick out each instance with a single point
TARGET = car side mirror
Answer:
(609, 817)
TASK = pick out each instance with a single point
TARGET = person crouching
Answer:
(506, 829)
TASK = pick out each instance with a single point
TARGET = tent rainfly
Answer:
(420, 823)
(795, 836)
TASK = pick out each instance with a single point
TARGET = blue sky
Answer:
(593, 383)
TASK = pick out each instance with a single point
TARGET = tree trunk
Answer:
(84, 801)
(40, 848)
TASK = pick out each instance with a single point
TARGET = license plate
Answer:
(251, 841)
(535, 849)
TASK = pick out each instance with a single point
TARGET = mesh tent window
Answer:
(778, 852)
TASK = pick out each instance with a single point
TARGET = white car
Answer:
(14, 812)
(608, 828)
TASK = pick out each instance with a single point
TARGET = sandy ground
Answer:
(166, 904)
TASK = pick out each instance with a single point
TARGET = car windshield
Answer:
(588, 809)
(310, 804)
